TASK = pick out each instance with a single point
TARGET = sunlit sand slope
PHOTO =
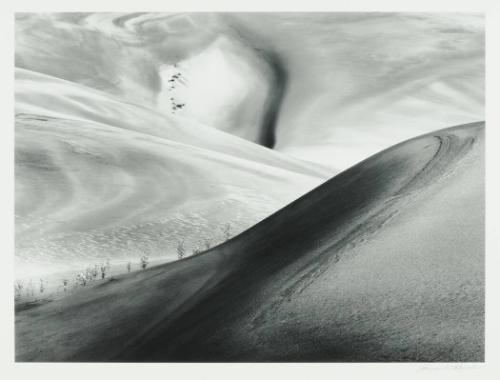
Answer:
(98, 177)
(331, 88)
(86, 192)
(373, 265)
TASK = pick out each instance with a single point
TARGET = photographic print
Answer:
(249, 187)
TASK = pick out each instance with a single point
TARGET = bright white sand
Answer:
(97, 177)
(354, 83)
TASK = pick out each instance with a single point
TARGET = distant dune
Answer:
(331, 88)
(206, 92)
(97, 178)
(384, 262)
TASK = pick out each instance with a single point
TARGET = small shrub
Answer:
(181, 251)
(144, 261)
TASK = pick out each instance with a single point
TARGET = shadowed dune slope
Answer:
(373, 265)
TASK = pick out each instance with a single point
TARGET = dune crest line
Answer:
(310, 282)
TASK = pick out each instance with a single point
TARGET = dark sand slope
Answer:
(384, 262)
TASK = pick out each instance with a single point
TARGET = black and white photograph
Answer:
(249, 187)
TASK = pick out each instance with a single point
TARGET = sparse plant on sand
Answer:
(181, 251)
(81, 279)
(144, 261)
(103, 271)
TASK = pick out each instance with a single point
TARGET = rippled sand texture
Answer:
(332, 88)
(137, 131)
(384, 262)
(97, 178)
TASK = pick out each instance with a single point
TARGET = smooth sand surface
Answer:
(98, 178)
(331, 87)
(384, 262)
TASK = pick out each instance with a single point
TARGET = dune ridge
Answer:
(78, 202)
(341, 274)
(361, 81)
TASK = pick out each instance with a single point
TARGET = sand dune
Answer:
(98, 177)
(341, 274)
(133, 56)
(366, 81)
(86, 192)
(41, 94)
(331, 88)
